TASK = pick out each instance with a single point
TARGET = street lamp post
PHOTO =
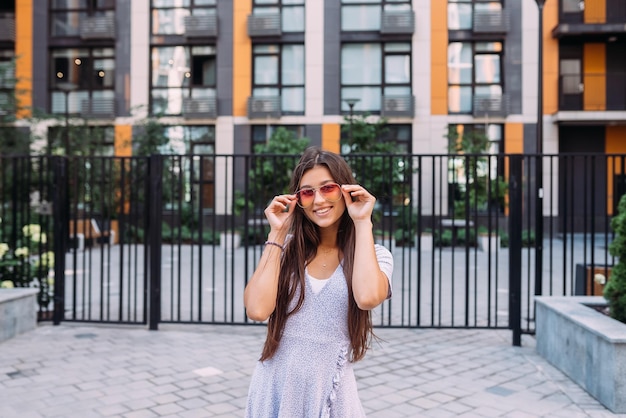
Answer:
(351, 103)
(539, 161)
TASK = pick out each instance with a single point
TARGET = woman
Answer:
(319, 276)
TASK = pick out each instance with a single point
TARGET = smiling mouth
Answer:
(322, 211)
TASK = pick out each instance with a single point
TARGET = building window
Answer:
(262, 133)
(279, 72)
(474, 69)
(461, 12)
(401, 136)
(291, 12)
(365, 15)
(79, 75)
(168, 17)
(484, 139)
(388, 72)
(67, 15)
(7, 82)
(185, 140)
(190, 179)
(81, 140)
(180, 72)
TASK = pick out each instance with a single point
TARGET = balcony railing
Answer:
(98, 108)
(398, 106)
(264, 107)
(592, 92)
(205, 107)
(7, 29)
(397, 22)
(264, 25)
(491, 21)
(204, 26)
(98, 27)
(490, 106)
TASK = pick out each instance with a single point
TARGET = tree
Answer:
(377, 161)
(615, 289)
(272, 170)
(13, 140)
(478, 188)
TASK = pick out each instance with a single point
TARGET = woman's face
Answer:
(325, 209)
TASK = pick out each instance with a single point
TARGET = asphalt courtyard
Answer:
(82, 370)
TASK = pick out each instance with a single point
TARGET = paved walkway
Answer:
(78, 370)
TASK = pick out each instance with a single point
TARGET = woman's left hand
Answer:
(359, 202)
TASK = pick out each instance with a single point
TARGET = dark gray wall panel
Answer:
(242, 137)
(225, 58)
(41, 67)
(122, 57)
(513, 58)
(314, 133)
(332, 57)
(615, 75)
(530, 138)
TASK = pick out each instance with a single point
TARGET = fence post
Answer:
(515, 248)
(60, 227)
(155, 213)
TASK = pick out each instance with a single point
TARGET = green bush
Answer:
(615, 289)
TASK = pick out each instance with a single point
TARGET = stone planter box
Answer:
(230, 240)
(18, 311)
(585, 344)
(426, 241)
(486, 242)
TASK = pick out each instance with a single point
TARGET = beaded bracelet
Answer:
(274, 244)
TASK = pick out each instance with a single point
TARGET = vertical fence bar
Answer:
(60, 211)
(155, 212)
(515, 249)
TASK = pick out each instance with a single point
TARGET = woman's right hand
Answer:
(279, 210)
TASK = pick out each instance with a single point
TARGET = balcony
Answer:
(204, 26)
(397, 22)
(264, 25)
(7, 29)
(98, 108)
(592, 92)
(398, 106)
(595, 21)
(264, 107)
(97, 27)
(200, 108)
(490, 106)
(491, 21)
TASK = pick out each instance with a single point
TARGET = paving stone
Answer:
(131, 372)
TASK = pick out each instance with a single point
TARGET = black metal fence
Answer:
(159, 239)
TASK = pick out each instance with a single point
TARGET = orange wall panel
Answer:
(242, 57)
(24, 55)
(123, 140)
(615, 144)
(550, 59)
(331, 134)
(595, 11)
(439, 59)
(594, 70)
(513, 138)
(513, 144)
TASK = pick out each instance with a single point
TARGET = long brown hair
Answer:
(301, 249)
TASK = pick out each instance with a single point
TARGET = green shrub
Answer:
(615, 289)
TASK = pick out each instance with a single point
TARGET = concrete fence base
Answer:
(586, 345)
(18, 311)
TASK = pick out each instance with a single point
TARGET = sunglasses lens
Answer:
(305, 197)
(331, 192)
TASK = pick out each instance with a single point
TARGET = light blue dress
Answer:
(310, 375)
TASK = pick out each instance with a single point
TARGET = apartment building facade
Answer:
(222, 74)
